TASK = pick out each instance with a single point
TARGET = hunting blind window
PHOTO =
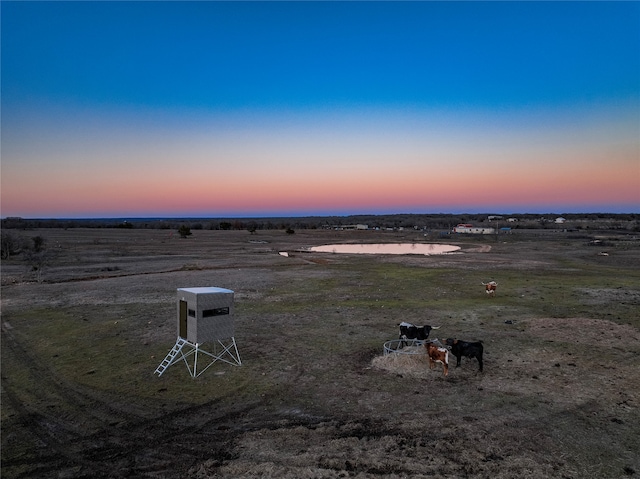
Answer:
(207, 313)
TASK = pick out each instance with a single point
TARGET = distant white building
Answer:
(353, 227)
(470, 229)
(560, 220)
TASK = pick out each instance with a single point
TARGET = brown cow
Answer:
(438, 355)
(490, 288)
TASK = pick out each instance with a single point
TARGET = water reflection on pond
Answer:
(387, 248)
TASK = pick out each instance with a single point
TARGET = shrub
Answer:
(184, 231)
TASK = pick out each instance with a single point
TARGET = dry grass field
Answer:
(315, 398)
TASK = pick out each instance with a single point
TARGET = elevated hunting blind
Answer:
(205, 315)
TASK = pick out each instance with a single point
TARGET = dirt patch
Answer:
(600, 296)
(485, 248)
(586, 331)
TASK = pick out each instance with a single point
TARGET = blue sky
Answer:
(339, 107)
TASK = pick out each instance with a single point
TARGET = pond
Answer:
(386, 248)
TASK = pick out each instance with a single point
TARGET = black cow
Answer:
(465, 348)
(410, 331)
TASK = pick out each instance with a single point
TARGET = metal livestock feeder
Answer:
(407, 347)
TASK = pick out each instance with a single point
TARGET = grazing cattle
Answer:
(465, 348)
(490, 288)
(438, 355)
(410, 331)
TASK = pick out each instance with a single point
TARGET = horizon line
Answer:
(283, 216)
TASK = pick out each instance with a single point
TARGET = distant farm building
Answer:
(470, 229)
(560, 220)
(351, 227)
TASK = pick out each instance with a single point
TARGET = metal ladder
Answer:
(168, 360)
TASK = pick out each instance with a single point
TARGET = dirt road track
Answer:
(71, 429)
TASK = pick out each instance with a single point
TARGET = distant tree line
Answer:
(428, 222)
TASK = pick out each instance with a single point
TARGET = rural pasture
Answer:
(315, 398)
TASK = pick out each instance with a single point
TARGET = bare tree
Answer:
(10, 245)
(38, 257)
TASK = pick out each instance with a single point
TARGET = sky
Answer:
(244, 109)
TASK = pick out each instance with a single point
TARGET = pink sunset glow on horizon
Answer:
(476, 189)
